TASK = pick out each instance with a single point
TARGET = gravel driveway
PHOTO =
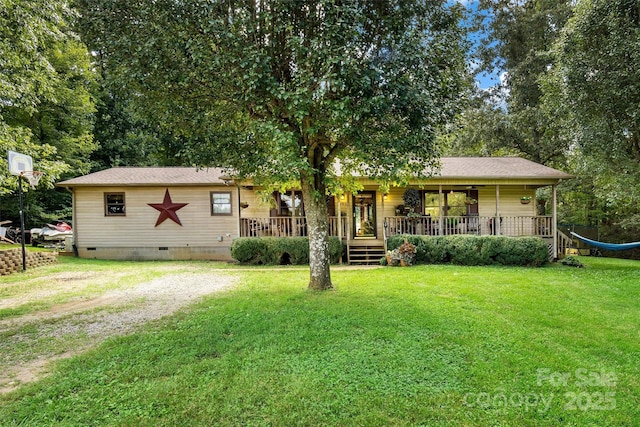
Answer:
(115, 312)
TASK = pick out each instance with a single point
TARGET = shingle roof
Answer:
(452, 168)
(149, 176)
(496, 168)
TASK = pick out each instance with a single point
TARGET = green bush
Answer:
(571, 261)
(279, 250)
(476, 250)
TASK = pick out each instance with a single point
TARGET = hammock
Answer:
(608, 246)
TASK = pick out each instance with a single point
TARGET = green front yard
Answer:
(426, 345)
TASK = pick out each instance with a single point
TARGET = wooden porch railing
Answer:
(541, 226)
(285, 226)
(481, 225)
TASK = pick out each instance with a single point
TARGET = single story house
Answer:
(185, 213)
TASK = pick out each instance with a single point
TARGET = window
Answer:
(432, 203)
(289, 204)
(456, 203)
(453, 203)
(114, 204)
(221, 203)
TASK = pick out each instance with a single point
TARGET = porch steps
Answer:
(366, 254)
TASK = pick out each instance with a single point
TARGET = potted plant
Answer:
(393, 257)
(525, 200)
(407, 253)
(470, 201)
(411, 198)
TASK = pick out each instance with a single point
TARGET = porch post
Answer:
(554, 226)
(497, 219)
(440, 212)
(339, 222)
(239, 212)
(294, 224)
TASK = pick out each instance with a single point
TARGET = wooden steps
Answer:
(366, 253)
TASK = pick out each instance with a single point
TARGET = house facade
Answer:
(184, 213)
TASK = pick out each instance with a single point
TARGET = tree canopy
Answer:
(279, 90)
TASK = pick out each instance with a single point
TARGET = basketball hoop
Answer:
(33, 177)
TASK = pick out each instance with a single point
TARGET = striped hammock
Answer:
(608, 246)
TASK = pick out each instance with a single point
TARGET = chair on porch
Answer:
(473, 225)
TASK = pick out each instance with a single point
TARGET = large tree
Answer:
(45, 101)
(278, 90)
(594, 88)
(515, 39)
(599, 69)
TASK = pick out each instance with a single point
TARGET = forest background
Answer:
(567, 95)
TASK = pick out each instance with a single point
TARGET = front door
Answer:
(364, 214)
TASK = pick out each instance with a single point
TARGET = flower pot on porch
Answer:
(525, 200)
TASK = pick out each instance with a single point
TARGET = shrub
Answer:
(476, 250)
(571, 261)
(279, 250)
(407, 252)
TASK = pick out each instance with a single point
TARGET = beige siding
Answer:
(257, 208)
(509, 201)
(137, 228)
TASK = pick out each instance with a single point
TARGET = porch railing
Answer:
(541, 226)
(285, 226)
(481, 225)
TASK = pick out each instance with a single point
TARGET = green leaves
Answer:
(359, 78)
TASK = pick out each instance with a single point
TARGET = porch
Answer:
(540, 226)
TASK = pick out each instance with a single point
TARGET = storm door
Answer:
(364, 214)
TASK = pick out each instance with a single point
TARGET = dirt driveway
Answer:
(30, 342)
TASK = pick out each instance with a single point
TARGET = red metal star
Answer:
(167, 209)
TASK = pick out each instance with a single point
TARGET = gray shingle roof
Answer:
(148, 176)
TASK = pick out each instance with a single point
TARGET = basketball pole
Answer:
(24, 251)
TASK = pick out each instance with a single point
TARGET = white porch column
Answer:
(497, 221)
(554, 226)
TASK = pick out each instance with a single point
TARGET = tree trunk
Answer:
(315, 203)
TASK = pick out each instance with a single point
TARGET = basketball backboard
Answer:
(19, 163)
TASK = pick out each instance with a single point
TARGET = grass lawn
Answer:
(426, 345)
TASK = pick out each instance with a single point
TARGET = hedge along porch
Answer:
(470, 195)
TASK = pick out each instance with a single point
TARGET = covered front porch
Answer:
(539, 225)
(477, 196)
